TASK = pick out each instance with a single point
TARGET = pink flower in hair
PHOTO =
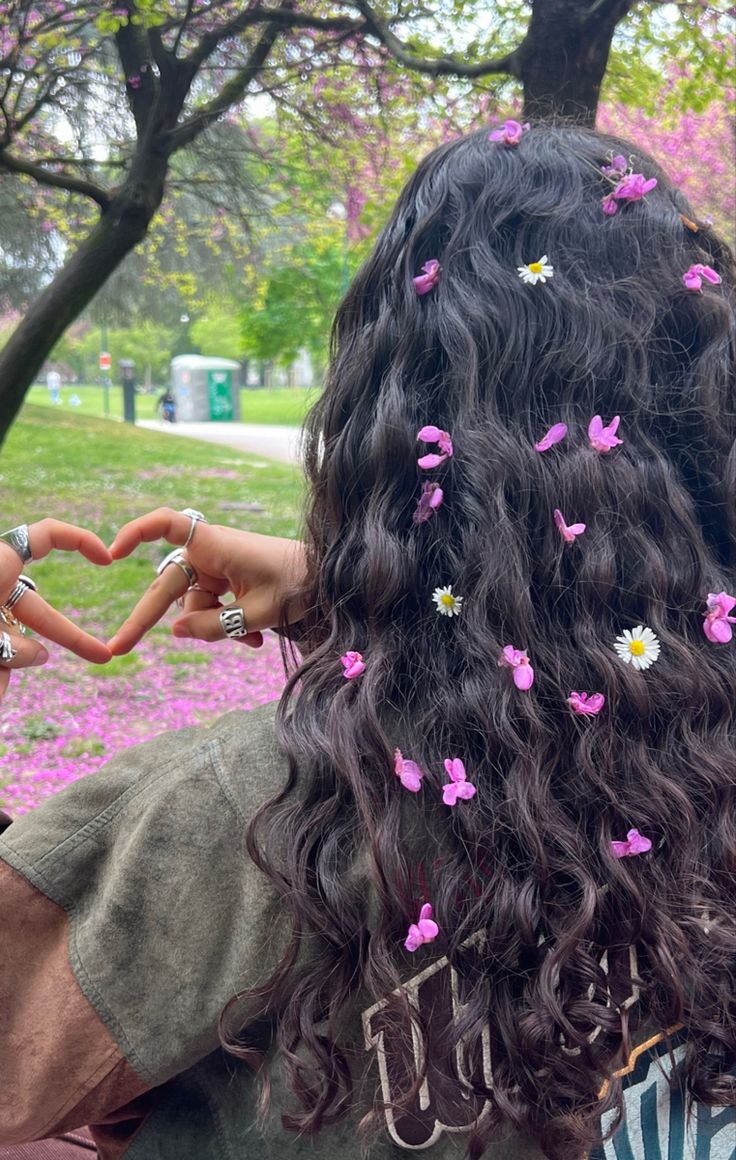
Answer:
(693, 278)
(432, 434)
(427, 281)
(510, 132)
(717, 623)
(408, 772)
(604, 438)
(353, 665)
(458, 786)
(609, 205)
(424, 931)
(429, 501)
(569, 532)
(555, 435)
(634, 186)
(586, 704)
(635, 843)
(631, 187)
(617, 168)
(517, 660)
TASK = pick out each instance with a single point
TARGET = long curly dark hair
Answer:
(536, 916)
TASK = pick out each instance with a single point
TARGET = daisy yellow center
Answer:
(535, 267)
(447, 600)
(636, 648)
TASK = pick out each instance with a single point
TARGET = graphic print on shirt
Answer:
(444, 1101)
(657, 1125)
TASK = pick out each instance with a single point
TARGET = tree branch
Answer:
(276, 17)
(442, 65)
(230, 93)
(58, 180)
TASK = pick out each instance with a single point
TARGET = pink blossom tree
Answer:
(98, 98)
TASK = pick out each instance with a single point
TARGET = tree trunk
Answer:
(120, 229)
(564, 56)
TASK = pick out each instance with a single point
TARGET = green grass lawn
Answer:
(284, 407)
(58, 462)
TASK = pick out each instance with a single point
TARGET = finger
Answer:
(27, 652)
(4, 681)
(48, 534)
(207, 625)
(163, 592)
(199, 599)
(33, 611)
(163, 524)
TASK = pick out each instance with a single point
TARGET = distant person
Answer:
(167, 406)
(53, 382)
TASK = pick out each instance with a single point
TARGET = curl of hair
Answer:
(528, 862)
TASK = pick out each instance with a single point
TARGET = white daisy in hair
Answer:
(638, 647)
(447, 604)
(536, 271)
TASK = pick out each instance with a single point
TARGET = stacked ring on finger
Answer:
(7, 652)
(196, 518)
(177, 557)
(18, 540)
(232, 620)
(24, 584)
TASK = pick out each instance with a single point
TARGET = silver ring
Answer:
(17, 539)
(23, 584)
(177, 557)
(7, 652)
(232, 620)
(196, 518)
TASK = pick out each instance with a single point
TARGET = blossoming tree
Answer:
(97, 98)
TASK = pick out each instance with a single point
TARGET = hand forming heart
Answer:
(258, 570)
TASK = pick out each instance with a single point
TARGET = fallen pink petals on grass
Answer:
(66, 720)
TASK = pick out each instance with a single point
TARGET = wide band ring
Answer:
(196, 518)
(17, 539)
(23, 584)
(7, 652)
(232, 620)
(177, 557)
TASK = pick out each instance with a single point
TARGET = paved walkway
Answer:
(270, 442)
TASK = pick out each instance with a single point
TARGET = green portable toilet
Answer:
(205, 389)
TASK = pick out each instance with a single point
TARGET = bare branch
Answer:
(439, 66)
(66, 181)
(277, 17)
(230, 93)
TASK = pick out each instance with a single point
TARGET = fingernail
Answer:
(181, 630)
(40, 658)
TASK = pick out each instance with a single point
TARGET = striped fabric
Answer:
(658, 1126)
